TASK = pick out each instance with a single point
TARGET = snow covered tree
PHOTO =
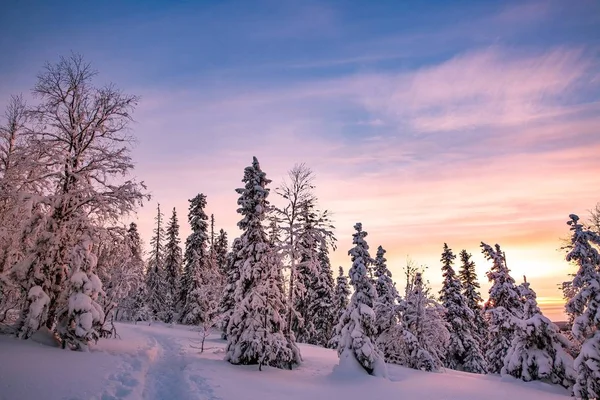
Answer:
(341, 299)
(255, 333)
(503, 306)
(155, 279)
(306, 269)
(199, 284)
(386, 305)
(297, 191)
(584, 306)
(136, 267)
(227, 303)
(78, 134)
(356, 331)
(470, 289)
(81, 319)
(120, 269)
(172, 267)
(423, 332)
(342, 293)
(537, 351)
(221, 251)
(463, 351)
(321, 312)
(387, 310)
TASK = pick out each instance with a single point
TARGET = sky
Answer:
(429, 122)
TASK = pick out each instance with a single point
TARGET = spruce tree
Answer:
(221, 250)
(81, 319)
(503, 306)
(463, 351)
(306, 272)
(172, 267)
(423, 334)
(386, 306)
(136, 296)
(584, 306)
(255, 333)
(321, 312)
(341, 298)
(537, 350)
(155, 281)
(197, 268)
(471, 291)
(227, 303)
(356, 329)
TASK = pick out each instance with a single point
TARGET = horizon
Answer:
(430, 124)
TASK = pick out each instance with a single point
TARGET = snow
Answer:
(164, 362)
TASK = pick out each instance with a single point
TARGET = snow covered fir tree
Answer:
(471, 291)
(423, 331)
(356, 330)
(463, 351)
(156, 288)
(537, 351)
(173, 259)
(503, 307)
(199, 286)
(584, 306)
(255, 332)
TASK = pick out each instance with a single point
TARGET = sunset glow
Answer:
(426, 123)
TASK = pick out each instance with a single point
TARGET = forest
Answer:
(72, 262)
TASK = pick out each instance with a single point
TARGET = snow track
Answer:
(159, 371)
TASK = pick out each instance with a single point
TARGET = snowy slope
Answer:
(161, 362)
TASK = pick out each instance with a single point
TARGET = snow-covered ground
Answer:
(162, 362)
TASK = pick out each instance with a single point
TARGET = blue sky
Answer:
(428, 121)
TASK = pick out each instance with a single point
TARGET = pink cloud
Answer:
(490, 87)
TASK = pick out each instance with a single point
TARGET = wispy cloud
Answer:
(480, 89)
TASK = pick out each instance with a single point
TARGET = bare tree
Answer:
(297, 191)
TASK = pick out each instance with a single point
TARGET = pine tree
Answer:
(463, 351)
(502, 307)
(584, 306)
(81, 319)
(341, 299)
(227, 303)
(120, 269)
(470, 287)
(321, 311)
(221, 250)
(342, 293)
(195, 298)
(136, 294)
(537, 351)
(155, 280)
(356, 329)
(386, 307)
(255, 330)
(172, 267)
(306, 272)
(423, 334)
